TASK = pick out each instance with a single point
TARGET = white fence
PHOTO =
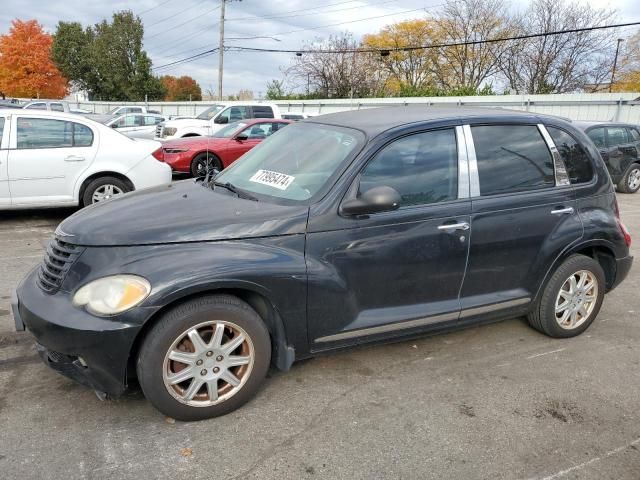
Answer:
(621, 107)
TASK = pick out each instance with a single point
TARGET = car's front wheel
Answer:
(630, 182)
(204, 358)
(571, 299)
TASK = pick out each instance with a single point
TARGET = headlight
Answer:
(112, 295)
(169, 131)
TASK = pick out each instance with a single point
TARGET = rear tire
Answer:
(200, 162)
(188, 380)
(630, 181)
(103, 188)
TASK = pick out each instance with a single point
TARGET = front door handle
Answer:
(563, 211)
(73, 158)
(454, 226)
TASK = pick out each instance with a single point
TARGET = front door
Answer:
(524, 215)
(48, 156)
(392, 273)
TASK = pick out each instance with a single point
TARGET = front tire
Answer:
(103, 188)
(204, 358)
(630, 181)
(203, 162)
(571, 299)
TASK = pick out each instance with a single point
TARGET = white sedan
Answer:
(52, 159)
(137, 125)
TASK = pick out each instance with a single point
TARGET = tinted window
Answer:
(634, 135)
(233, 114)
(262, 112)
(82, 136)
(597, 137)
(133, 110)
(423, 168)
(37, 106)
(262, 130)
(126, 121)
(152, 120)
(616, 136)
(57, 107)
(44, 133)
(512, 158)
(576, 159)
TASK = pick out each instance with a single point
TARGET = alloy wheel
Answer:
(576, 299)
(105, 192)
(208, 363)
(633, 181)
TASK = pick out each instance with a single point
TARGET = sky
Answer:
(176, 29)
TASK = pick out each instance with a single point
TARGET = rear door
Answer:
(5, 197)
(620, 151)
(524, 214)
(48, 155)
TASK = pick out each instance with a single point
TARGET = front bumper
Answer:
(623, 265)
(90, 350)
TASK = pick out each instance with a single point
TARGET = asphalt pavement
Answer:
(500, 401)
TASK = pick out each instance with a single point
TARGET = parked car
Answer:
(122, 109)
(136, 125)
(355, 227)
(296, 116)
(197, 155)
(619, 145)
(53, 106)
(214, 118)
(10, 103)
(52, 159)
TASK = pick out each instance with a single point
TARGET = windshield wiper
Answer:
(238, 191)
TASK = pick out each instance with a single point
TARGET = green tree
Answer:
(107, 59)
(275, 90)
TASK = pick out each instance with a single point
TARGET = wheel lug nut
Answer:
(209, 354)
(219, 358)
(203, 372)
(216, 369)
(199, 362)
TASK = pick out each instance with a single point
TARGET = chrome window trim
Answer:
(559, 168)
(474, 179)
(463, 164)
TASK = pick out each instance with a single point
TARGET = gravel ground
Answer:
(493, 402)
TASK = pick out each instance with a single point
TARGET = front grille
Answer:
(159, 131)
(58, 259)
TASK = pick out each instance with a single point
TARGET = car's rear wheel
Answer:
(203, 163)
(571, 299)
(103, 188)
(204, 358)
(630, 181)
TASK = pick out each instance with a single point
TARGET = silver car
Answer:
(137, 125)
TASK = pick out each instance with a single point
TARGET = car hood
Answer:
(181, 212)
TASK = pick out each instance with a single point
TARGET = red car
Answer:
(192, 154)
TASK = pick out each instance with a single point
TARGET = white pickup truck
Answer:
(214, 118)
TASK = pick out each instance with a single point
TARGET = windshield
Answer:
(229, 130)
(210, 112)
(294, 163)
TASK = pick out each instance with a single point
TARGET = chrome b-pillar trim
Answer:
(474, 180)
(463, 164)
(559, 168)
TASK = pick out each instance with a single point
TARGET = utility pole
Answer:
(221, 49)
(615, 64)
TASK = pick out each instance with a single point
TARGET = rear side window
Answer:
(597, 137)
(576, 159)
(512, 158)
(57, 107)
(82, 135)
(423, 168)
(634, 135)
(616, 136)
(262, 112)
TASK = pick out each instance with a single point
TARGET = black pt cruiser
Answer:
(349, 228)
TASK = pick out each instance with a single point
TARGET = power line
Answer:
(172, 16)
(266, 17)
(153, 8)
(441, 45)
(188, 59)
(183, 23)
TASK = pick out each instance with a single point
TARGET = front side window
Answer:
(235, 114)
(210, 112)
(37, 106)
(57, 107)
(597, 137)
(616, 136)
(47, 133)
(422, 168)
(126, 121)
(576, 159)
(295, 164)
(512, 158)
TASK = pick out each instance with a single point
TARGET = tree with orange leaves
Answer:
(26, 68)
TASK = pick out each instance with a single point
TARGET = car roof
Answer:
(583, 125)
(43, 113)
(373, 121)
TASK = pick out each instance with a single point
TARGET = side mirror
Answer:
(221, 120)
(114, 125)
(242, 137)
(377, 199)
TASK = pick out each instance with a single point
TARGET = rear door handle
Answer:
(563, 211)
(454, 226)
(73, 158)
